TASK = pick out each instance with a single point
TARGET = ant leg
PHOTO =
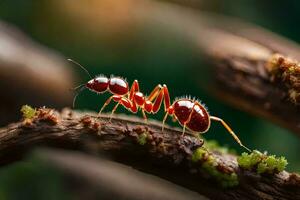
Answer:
(167, 101)
(164, 120)
(114, 109)
(183, 130)
(230, 131)
(174, 118)
(125, 102)
(158, 101)
(134, 88)
(145, 117)
(159, 93)
(187, 121)
(105, 104)
(154, 93)
(163, 94)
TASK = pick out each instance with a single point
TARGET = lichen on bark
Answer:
(286, 71)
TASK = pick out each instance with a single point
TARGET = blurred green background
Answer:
(152, 54)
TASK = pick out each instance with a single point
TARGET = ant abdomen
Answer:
(199, 120)
(192, 114)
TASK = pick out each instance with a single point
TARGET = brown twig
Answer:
(167, 154)
(264, 86)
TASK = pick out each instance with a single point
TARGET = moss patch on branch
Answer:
(262, 163)
(210, 166)
(142, 138)
(32, 115)
(287, 71)
(256, 161)
(28, 112)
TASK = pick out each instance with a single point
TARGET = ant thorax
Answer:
(118, 85)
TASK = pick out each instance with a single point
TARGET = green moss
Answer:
(28, 112)
(255, 161)
(227, 180)
(247, 161)
(142, 139)
(209, 166)
(262, 163)
(291, 69)
(198, 154)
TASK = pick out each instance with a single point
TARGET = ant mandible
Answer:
(190, 113)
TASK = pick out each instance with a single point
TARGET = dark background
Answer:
(152, 54)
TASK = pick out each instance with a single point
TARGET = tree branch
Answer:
(257, 93)
(129, 140)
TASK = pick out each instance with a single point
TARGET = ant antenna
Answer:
(79, 86)
(79, 91)
(76, 63)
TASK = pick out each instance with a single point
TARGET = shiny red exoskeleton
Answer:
(193, 115)
(190, 113)
(132, 99)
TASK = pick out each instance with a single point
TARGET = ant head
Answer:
(90, 84)
(98, 84)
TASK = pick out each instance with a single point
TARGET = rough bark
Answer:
(167, 155)
(246, 84)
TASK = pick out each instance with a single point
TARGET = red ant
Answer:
(132, 99)
(190, 113)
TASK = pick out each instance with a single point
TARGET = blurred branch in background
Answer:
(87, 177)
(30, 73)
